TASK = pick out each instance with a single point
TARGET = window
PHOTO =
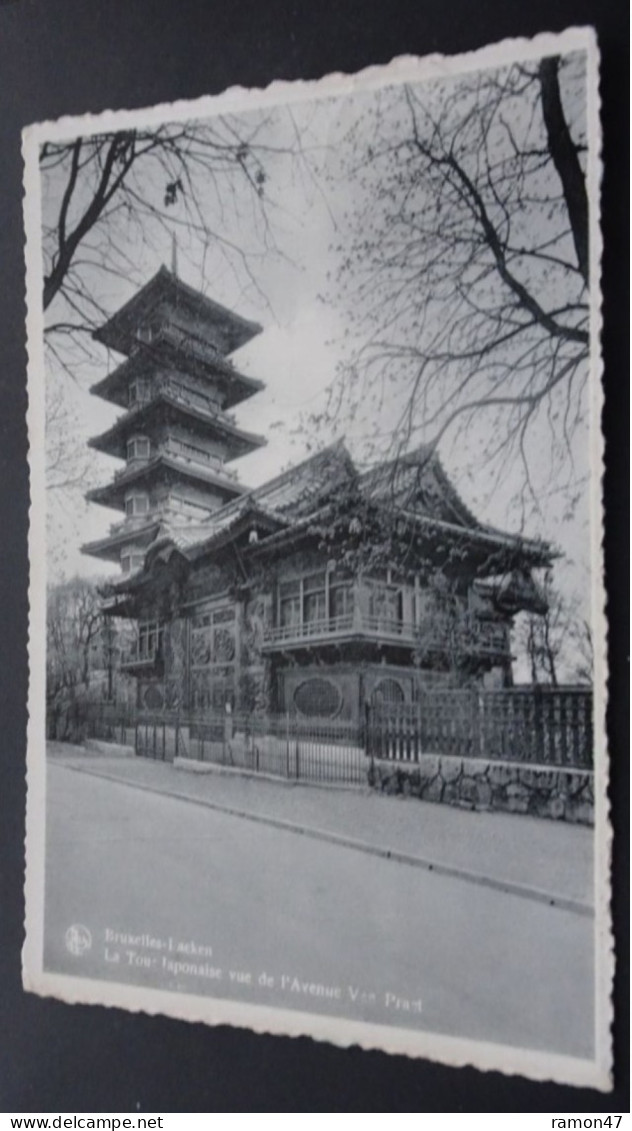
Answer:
(139, 391)
(136, 502)
(175, 502)
(290, 603)
(316, 601)
(388, 692)
(385, 606)
(138, 447)
(425, 605)
(193, 453)
(131, 562)
(317, 698)
(340, 600)
(150, 634)
(152, 697)
(213, 658)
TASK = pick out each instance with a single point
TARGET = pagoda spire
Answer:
(174, 254)
(175, 433)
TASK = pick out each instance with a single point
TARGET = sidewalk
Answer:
(550, 856)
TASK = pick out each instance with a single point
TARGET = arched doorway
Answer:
(387, 693)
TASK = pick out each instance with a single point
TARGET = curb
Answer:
(510, 887)
(190, 766)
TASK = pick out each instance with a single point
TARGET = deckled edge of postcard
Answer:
(454, 1052)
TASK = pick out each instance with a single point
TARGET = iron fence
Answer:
(538, 725)
(543, 726)
(282, 745)
(297, 749)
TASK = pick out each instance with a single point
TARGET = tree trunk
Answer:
(564, 154)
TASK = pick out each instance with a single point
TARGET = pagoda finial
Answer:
(174, 254)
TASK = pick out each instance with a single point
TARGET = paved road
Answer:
(551, 856)
(238, 896)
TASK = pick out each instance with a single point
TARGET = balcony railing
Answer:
(142, 657)
(182, 451)
(188, 453)
(166, 510)
(467, 635)
(192, 398)
(182, 339)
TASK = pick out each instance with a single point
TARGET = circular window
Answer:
(318, 698)
(152, 697)
(387, 693)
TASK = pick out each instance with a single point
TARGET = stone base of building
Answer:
(560, 793)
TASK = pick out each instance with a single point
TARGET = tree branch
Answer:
(564, 156)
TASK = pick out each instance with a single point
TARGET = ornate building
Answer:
(321, 590)
(175, 434)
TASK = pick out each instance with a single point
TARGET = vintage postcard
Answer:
(317, 645)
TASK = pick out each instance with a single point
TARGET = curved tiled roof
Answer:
(164, 286)
(415, 484)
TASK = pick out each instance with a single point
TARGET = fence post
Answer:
(287, 744)
(368, 743)
(228, 727)
(475, 700)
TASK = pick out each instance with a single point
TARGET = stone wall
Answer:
(557, 792)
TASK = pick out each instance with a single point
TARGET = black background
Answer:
(71, 56)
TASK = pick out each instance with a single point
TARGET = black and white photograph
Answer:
(317, 639)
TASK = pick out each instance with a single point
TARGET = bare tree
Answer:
(74, 626)
(467, 283)
(582, 639)
(111, 204)
(557, 644)
(105, 194)
(543, 640)
(66, 462)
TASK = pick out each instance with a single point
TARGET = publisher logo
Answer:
(78, 940)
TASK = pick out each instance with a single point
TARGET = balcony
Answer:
(145, 655)
(465, 636)
(190, 453)
(205, 358)
(139, 660)
(190, 398)
(181, 451)
(173, 328)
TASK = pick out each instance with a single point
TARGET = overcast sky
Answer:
(291, 291)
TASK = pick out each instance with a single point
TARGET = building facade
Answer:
(324, 589)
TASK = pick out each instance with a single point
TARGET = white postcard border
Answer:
(342, 1032)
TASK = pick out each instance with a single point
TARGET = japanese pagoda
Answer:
(175, 435)
(325, 588)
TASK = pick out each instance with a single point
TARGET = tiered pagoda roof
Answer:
(288, 506)
(225, 330)
(167, 405)
(176, 383)
(167, 468)
(168, 347)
